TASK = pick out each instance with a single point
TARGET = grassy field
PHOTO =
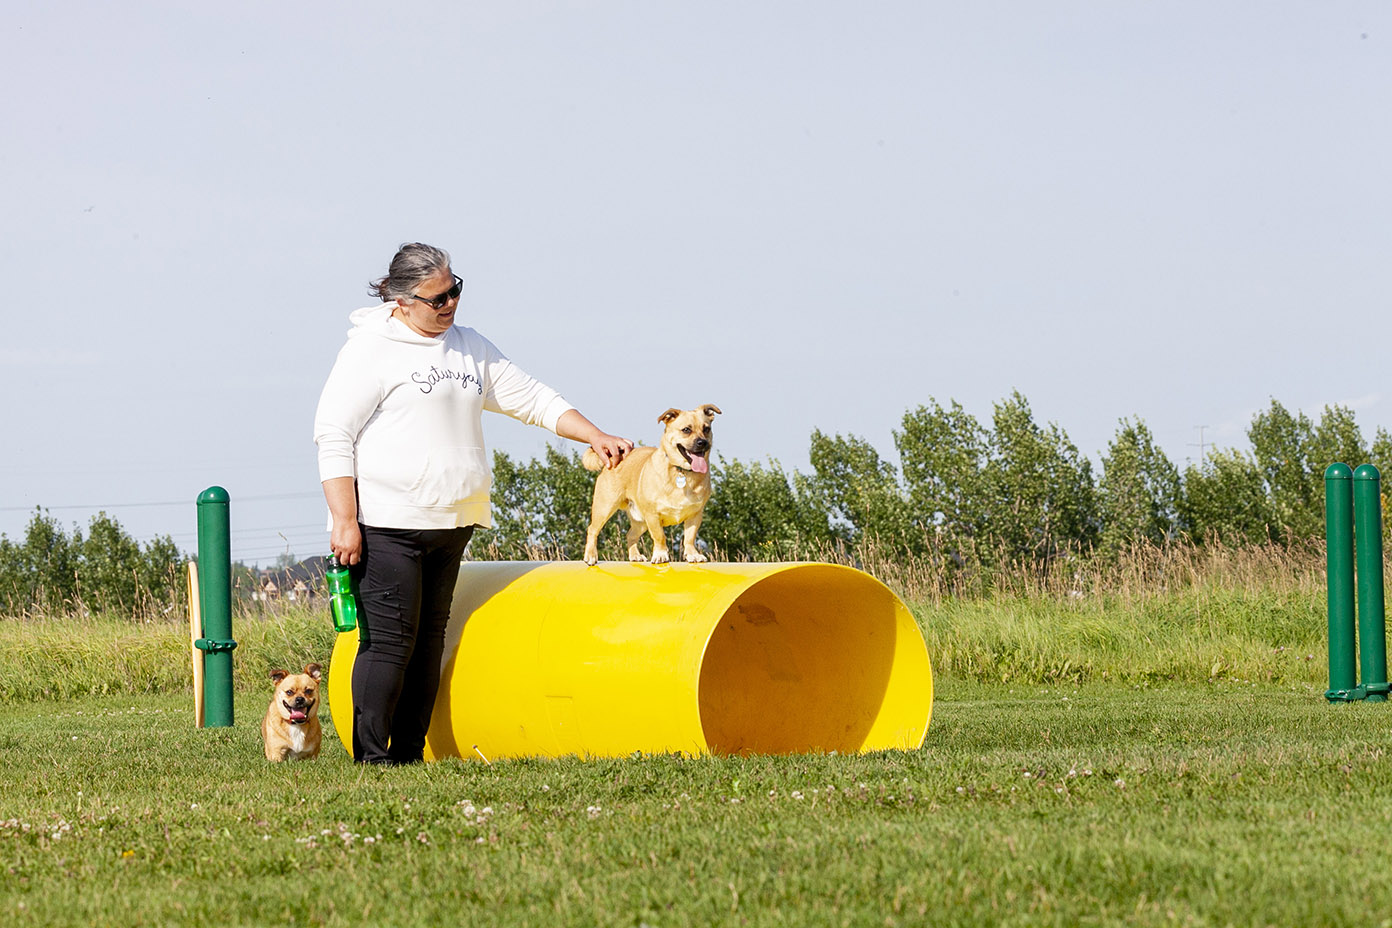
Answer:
(1206, 804)
(1133, 755)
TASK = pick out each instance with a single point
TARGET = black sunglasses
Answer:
(451, 294)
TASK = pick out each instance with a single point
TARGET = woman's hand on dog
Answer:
(610, 448)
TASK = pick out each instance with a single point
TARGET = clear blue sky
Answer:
(815, 215)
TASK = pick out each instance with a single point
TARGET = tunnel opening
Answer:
(802, 662)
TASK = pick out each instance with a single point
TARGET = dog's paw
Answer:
(661, 557)
(695, 557)
(591, 561)
(637, 558)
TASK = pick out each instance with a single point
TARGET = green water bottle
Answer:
(343, 606)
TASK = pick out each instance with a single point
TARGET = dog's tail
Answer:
(592, 461)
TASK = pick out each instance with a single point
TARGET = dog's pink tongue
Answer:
(298, 715)
(699, 464)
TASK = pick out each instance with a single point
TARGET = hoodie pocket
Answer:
(452, 475)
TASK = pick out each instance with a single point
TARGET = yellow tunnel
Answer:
(554, 658)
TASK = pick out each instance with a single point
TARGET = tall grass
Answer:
(1175, 612)
(1142, 570)
(48, 657)
(135, 598)
(1178, 612)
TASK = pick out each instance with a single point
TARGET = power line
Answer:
(182, 502)
(265, 529)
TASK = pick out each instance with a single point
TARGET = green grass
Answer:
(1103, 753)
(1203, 804)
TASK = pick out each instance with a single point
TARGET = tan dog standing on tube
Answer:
(660, 486)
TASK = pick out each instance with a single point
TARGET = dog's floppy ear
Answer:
(668, 416)
(278, 675)
(710, 410)
(313, 670)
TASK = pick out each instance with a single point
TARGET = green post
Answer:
(1372, 630)
(215, 599)
(1338, 522)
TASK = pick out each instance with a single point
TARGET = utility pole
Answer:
(1201, 444)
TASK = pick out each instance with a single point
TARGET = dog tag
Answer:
(681, 480)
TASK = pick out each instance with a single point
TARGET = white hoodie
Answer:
(402, 413)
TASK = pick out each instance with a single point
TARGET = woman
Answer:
(402, 460)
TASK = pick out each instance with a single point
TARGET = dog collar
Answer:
(681, 478)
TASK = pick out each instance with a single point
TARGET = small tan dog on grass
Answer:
(660, 486)
(291, 727)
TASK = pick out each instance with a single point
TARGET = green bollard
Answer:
(1338, 521)
(215, 599)
(1372, 630)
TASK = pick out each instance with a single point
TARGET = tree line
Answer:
(969, 497)
(972, 495)
(106, 570)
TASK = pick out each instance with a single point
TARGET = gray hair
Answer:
(414, 263)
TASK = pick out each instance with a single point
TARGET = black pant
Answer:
(406, 582)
